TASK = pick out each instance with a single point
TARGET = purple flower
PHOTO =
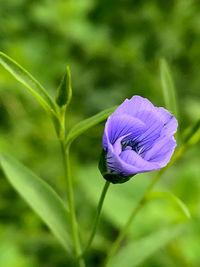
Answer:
(138, 137)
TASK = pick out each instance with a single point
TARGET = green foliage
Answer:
(41, 198)
(168, 88)
(113, 49)
(28, 81)
(136, 252)
(172, 198)
(191, 131)
(86, 124)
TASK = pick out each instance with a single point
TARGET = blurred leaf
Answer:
(40, 196)
(25, 78)
(191, 138)
(136, 252)
(11, 256)
(84, 125)
(171, 197)
(120, 196)
(64, 92)
(191, 132)
(168, 87)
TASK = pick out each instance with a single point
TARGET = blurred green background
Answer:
(113, 48)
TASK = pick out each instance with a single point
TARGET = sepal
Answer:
(109, 176)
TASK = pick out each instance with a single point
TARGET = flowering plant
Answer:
(138, 137)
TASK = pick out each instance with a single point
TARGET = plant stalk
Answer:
(97, 217)
(77, 246)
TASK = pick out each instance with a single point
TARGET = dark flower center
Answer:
(130, 145)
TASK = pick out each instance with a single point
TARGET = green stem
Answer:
(77, 246)
(96, 220)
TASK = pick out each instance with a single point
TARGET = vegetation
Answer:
(115, 49)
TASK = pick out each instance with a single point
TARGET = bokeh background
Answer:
(113, 49)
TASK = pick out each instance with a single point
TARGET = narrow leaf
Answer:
(40, 197)
(191, 132)
(171, 197)
(64, 93)
(84, 125)
(25, 78)
(168, 88)
(138, 251)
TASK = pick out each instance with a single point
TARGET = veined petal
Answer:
(162, 151)
(154, 126)
(118, 126)
(131, 158)
(152, 131)
(170, 122)
(117, 146)
(135, 106)
(141, 108)
(128, 163)
(118, 166)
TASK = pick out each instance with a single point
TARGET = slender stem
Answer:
(77, 246)
(96, 220)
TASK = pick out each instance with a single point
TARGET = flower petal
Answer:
(118, 126)
(134, 106)
(117, 146)
(118, 166)
(162, 151)
(128, 163)
(153, 130)
(170, 122)
(133, 159)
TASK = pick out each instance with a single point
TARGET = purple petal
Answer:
(133, 159)
(118, 126)
(162, 151)
(141, 108)
(136, 106)
(117, 146)
(116, 165)
(170, 122)
(153, 130)
(128, 163)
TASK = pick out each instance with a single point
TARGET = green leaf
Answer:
(64, 93)
(84, 125)
(40, 197)
(25, 78)
(168, 88)
(136, 252)
(171, 197)
(191, 132)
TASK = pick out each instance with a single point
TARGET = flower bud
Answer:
(64, 92)
(138, 137)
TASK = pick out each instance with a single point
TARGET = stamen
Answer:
(130, 145)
